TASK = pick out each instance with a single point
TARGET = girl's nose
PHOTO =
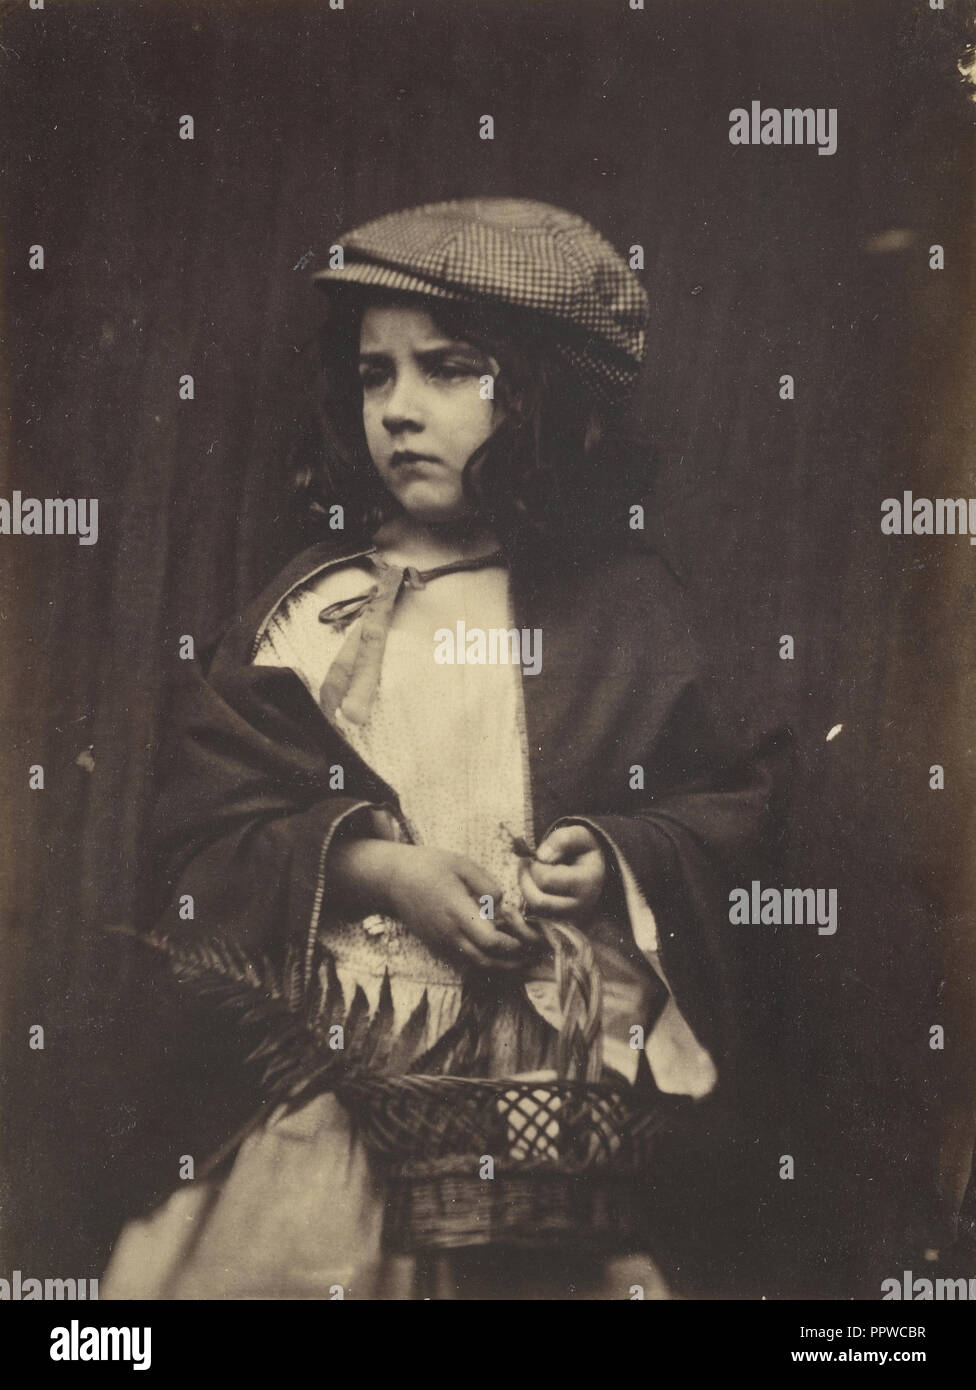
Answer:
(402, 408)
(397, 422)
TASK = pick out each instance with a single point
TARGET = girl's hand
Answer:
(567, 876)
(437, 894)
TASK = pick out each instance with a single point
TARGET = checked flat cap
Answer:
(514, 254)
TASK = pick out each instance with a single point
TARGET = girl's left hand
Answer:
(567, 876)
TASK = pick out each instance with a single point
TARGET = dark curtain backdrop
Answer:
(166, 257)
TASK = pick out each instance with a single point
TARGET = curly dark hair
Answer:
(561, 467)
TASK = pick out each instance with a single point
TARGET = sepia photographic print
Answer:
(488, 619)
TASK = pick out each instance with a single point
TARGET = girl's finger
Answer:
(473, 895)
(541, 904)
(479, 883)
(487, 938)
(558, 880)
(512, 920)
(566, 843)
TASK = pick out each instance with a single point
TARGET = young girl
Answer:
(474, 709)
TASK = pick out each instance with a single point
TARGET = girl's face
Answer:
(423, 411)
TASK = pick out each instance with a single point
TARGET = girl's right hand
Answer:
(438, 895)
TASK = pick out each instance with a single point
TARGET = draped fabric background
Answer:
(166, 256)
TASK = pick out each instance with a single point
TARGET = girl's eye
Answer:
(453, 370)
(372, 377)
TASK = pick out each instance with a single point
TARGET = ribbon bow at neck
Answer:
(352, 680)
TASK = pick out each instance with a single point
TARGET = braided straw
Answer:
(579, 1054)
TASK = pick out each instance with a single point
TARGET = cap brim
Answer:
(371, 274)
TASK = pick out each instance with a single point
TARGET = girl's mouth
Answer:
(404, 456)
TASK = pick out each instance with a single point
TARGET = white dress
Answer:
(300, 1213)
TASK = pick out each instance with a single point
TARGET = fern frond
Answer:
(276, 1044)
(379, 1037)
(354, 1027)
(406, 1043)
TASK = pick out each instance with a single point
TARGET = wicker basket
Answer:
(520, 1162)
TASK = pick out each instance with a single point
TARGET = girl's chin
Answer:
(429, 512)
